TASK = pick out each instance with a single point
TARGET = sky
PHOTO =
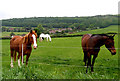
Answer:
(56, 8)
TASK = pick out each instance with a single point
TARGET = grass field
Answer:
(60, 59)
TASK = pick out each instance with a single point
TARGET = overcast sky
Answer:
(56, 8)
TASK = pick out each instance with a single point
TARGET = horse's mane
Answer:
(111, 37)
(100, 35)
(25, 38)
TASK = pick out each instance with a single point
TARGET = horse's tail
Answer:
(86, 35)
(40, 39)
(15, 55)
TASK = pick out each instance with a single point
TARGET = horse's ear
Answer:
(113, 35)
(30, 31)
(35, 31)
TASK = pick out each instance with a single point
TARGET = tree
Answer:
(11, 34)
(40, 28)
(3, 28)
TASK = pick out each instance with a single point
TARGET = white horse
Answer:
(44, 36)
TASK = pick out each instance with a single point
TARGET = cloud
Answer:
(42, 8)
(4, 15)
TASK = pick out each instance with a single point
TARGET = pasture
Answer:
(60, 59)
(16, 33)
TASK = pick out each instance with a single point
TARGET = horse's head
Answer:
(31, 38)
(109, 43)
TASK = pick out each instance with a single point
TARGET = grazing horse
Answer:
(91, 44)
(22, 45)
(42, 36)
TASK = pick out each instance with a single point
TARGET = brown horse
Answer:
(91, 46)
(22, 44)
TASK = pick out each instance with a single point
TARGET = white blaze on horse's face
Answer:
(34, 39)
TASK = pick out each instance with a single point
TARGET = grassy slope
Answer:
(112, 28)
(60, 59)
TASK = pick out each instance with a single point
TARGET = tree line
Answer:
(78, 23)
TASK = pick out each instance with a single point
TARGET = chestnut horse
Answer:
(91, 44)
(22, 45)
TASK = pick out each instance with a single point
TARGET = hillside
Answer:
(109, 29)
(78, 23)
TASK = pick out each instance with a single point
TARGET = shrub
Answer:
(12, 34)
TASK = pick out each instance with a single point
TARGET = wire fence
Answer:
(80, 47)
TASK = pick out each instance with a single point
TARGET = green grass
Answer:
(60, 59)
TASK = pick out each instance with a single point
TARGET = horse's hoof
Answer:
(92, 71)
(11, 65)
(85, 66)
(23, 63)
(19, 66)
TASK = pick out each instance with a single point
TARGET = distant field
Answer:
(16, 33)
(112, 28)
(61, 59)
(109, 29)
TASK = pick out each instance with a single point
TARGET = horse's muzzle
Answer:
(113, 53)
(34, 47)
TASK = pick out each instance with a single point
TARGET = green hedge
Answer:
(58, 36)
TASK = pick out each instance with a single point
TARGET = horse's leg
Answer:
(85, 57)
(40, 39)
(19, 59)
(93, 61)
(47, 38)
(50, 39)
(27, 57)
(23, 60)
(12, 51)
(89, 62)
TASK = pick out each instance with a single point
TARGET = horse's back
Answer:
(15, 41)
(41, 35)
(44, 35)
(14, 38)
(47, 35)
